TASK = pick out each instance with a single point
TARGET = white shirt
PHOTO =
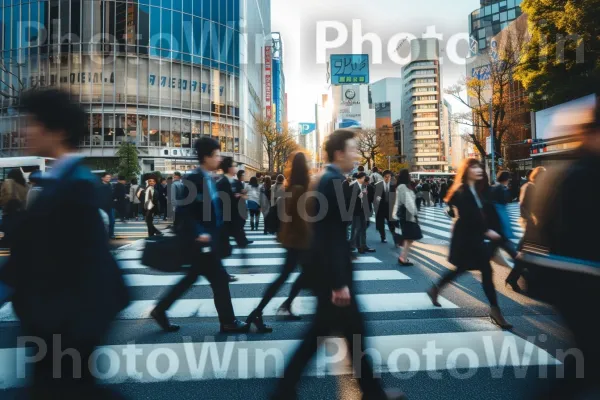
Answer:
(149, 205)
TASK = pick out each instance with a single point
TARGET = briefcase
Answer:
(164, 254)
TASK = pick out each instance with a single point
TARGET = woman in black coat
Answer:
(468, 250)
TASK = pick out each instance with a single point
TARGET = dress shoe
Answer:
(433, 295)
(370, 250)
(384, 240)
(285, 312)
(161, 318)
(233, 278)
(235, 327)
(498, 319)
(514, 285)
(256, 318)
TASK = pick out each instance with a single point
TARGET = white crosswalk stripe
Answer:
(479, 339)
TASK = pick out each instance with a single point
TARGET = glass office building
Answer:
(487, 21)
(157, 73)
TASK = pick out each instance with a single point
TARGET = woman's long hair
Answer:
(267, 183)
(297, 170)
(403, 178)
(462, 176)
(16, 175)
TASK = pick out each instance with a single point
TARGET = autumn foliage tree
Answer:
(277, 144)
(491, 88)
(374, 145)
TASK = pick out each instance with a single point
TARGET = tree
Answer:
(278, 144)
(129, 166)
(374, 144)
(11, 83)
(491, 89)
(561, 61)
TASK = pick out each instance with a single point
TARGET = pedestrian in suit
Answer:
(133, 199)
(385, 191)
(199, 231)
(162, 197)
(107, 202)
(151, 205)
(66, 290)
(359, 204)
(468, 249)
(232, 195)
(177, 195)
(120, 195)
(331, 277)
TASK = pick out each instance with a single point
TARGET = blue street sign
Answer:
(306, 127)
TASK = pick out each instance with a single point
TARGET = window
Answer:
(188, 6)
(512, 14)
(503, 16)
(177, 32)
(511, 3)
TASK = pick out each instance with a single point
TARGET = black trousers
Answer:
(329, 320)
(150, 223)
(380, 220)
(487, 280)
(135, 210)
(209, 266)
(292, 259)
(254, 218)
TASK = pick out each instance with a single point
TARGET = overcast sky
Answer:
(298, 24)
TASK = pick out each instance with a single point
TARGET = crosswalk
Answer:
(382, 290)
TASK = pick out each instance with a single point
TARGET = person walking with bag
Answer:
(405, 211)
(199, 230)
(294, 236)
(330, 275)
(468, 249)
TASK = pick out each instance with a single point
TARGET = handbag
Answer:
(164, 254)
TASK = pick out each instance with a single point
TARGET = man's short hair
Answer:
(375, 169)
(226, 163)
(361, 168)
(387, 172)
(337, 142)
(205, 146)
(360, 175)
(121, 177)
(177, 173)
(104, 174)
(503, 176)
(240, 173)
(57, 113)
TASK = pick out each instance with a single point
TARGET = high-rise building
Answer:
(488, 20)
(277, 89)
(146, 74)
(421, 107)
(388, 90)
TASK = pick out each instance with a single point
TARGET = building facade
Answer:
(278, 104)
(353, 106)
(155, 74)
(487, 21)
(388, 90)
(421, 107)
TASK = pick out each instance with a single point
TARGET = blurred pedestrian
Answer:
(199, 230)
(233, 210)
(120, 195)
(468, 249)
(278, 189)
(265, 199)
(330, 274)
(134, 199)
(35, 180)
(177, 196)
(151, 205)
(405, 211)
(13, 198)
(162, 189)
(66, 292)
(360, 205)
(107, 202)
(385, 192)
(294, 236)
(253, 203)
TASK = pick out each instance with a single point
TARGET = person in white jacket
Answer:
(405, 211)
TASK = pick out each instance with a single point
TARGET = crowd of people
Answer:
(77, 293)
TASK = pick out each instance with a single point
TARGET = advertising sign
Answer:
(350, 103)
(268, 85)
(306, 127)
(349, 68)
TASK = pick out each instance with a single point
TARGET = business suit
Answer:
(384, 207)
(72, 288)
(107, 204)
(119, 196)
(330, 269)
(203, 216)
(233, 210)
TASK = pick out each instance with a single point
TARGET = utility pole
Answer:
(492, 145)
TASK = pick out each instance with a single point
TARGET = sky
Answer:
(390, 21)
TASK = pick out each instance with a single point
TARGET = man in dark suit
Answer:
(163, 198)
(232, 196)
(106, 197)
(152, 205)
(385, 197)
(330, 276)
(69, 290)
(120, 193)
(199, 229)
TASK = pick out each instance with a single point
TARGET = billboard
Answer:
(563, 119)
(268, 85)
(349, 68)
(276, 94)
